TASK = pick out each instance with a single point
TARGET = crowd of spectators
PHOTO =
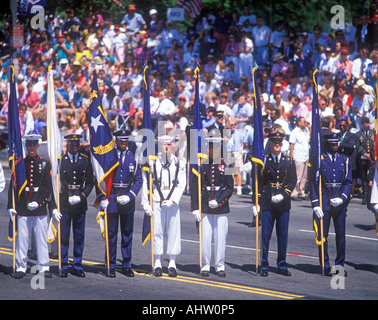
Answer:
(225, 46)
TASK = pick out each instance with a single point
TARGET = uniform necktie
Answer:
(333, 158)
(276, 160)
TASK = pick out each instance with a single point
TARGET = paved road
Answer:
(241, 282)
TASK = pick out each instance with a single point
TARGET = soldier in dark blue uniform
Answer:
(217, 186)
(76, 176)
(31, 209)
(365, 139)
(336, 185)
(127, 181)
(278, 181)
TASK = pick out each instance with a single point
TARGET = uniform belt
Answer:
(74, 186)
(212, 188)
(32, 189)
(120, 185)
(276, 185)
(333, 184)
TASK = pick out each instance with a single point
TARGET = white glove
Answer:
(74, 200)
(148, 210)
(33, 205)
(277, 198)
(57, 215)
(122, 200)
(167, 204)
(11, 213)
(318, 212)
(213, 204)
(196, 215)
(335, 202)
(254, 211)
(104, 204)
(375, 208)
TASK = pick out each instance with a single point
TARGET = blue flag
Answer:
(104, 156)
(315, 150)
(198, 146)
(258, 136)
(149, 145)
(16, 160)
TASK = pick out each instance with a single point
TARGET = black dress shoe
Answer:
(63, 273)
(19, 275)
(157, 272)
(172, 272)
(79, 273)
(264, 273)
(46, 274)
(327, 272)
(128, 272)
(204, 273)
(285, 272)
(112, 273)
(221, 273)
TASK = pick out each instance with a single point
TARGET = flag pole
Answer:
(59, 239)
(257, 218)
(14, 220)
(107, 243)
(321, 225)
(200, 210)
(152, 216)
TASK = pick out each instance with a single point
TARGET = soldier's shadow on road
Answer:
(363, 267)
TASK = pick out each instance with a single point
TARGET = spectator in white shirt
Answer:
(299, 151)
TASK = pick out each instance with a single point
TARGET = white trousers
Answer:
(168, 219)
(214, 225)
(40, 234)
(374, 188)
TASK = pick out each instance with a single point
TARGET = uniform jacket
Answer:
(38, 187)
(164, 181)
(336, 181)
(127, 180)
(365, 141)
(215, 184)
(276, 179)
(76, 179)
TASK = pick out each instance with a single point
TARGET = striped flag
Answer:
(192, 7)
(103, 153)
(258, 136)
(54, 146)
(16, 160)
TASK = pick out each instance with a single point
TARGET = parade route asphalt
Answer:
(241, 282)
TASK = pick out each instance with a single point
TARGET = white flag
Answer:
(54, 143)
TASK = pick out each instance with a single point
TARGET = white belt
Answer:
(32, 189)
(213, 188)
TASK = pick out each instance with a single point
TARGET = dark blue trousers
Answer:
(281, 219)
(338, 215)
(78, 227)
(126, 223)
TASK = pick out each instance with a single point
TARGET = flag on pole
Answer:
(149, 145)
(104, 156)
(192, 7)
(258, 136)
(54, 146)
(315, 150)
(16, 160)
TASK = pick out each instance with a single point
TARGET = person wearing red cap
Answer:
(133, 21)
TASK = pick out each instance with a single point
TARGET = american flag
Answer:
(192, 7)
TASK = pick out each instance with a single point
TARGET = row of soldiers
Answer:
(209, 205)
